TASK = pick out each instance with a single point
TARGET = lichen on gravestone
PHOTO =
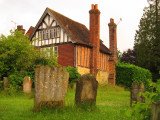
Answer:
(86, 90)
(135, 91)
(50, 86)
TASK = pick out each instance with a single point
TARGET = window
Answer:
(51, 34)
(40, 35)
(47, 34)
(43, 35)
(67, 38)
(107, 58)
(56, 50)
(58, 32)
(54, 33)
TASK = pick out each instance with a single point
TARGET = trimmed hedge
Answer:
(127, 73)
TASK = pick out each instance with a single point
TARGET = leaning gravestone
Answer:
(5, 82)
(86, 89)
(27, 85)
(155, 114)
(135, 90)
(50, 86)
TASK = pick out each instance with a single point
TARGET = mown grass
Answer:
(112, 102)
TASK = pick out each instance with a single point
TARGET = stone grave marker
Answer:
(27, 85)
(155, 112)
(86, 89)
(50, 86)
(135, 90)
(5, 82)
(141, 90)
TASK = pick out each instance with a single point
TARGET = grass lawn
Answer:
(112, 102)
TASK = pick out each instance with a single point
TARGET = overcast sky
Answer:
(28, 12)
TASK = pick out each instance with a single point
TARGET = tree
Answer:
(129, 56)
(147, 39)
(18, 57)
(119, 55)
(16, 53)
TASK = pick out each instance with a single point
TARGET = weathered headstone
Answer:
(27, 85)
(155, 113)
(135, 90)
(50, 86)
(141, 90)
(5, 82)
(86, 89)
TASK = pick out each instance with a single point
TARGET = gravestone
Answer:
(50, 86)
(5, 82)
(141, 90)
(27, 85)
(155, 112)
(135, 90)
(86, 89)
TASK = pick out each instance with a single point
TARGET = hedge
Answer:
(127, 73)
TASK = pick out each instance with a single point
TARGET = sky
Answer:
(28, 12)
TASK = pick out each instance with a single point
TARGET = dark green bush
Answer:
(73, 74)
(127, 73)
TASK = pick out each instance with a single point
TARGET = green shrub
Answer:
(16, 79)
(47, 57)
(1, 84)
(127, 73)
(73, 74)
(143, 110)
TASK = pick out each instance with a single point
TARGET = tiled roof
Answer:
(77, 31)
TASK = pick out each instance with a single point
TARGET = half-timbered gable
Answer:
(49, 32)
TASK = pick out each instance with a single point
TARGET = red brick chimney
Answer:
(113, 38)
(20, 28)
(113, 49)
(94, 38)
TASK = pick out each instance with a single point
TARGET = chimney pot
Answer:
(92, 6)
(112, 20)
(20, 27)
(96, 6)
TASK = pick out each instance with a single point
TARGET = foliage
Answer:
(16, 78)
(47, 57)
(73, 74)
(12, 91)
(127, 73)
(129, 56)
(147, 39)
(16, 53)
(143, 110)
(18, 57)
(119, 55)
(1, 84)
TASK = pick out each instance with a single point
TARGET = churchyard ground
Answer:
(111, 104)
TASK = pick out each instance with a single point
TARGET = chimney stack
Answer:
(113, 39)
(94, 37)
(20, 28)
